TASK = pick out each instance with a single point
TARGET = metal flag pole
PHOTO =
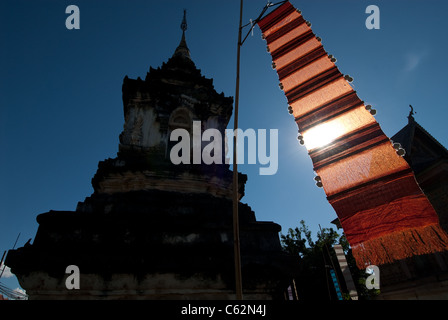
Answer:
(1, 264)
(3, 257)
(236, 237)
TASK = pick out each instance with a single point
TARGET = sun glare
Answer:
(323, 134)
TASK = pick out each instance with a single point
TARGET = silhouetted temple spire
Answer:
(411, 115)
(182, 50)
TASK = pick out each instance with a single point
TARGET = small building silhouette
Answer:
(428, 158)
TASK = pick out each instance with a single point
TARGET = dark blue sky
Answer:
(60, 91)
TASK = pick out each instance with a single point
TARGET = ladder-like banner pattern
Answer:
(384, 213)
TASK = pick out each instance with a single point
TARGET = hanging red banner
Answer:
(384, 213)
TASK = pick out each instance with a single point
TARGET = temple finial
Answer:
(411, 114)
(184, 25)
(182, 49)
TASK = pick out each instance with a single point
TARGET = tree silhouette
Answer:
(316, 258)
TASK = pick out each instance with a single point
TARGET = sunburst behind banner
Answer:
(384, 213)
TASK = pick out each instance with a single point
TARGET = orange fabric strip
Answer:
(384, 213)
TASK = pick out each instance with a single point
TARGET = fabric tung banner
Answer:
(384, 213)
